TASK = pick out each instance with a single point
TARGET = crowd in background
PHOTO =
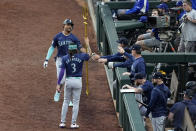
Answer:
(155, 93)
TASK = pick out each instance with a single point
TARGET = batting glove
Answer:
(45, 63)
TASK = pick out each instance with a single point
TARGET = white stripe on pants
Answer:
(72, 90)
(58, 69)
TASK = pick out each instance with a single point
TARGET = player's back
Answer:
(74, 65)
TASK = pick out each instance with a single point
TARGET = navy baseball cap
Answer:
(143, 19)
(163, 6)
(179, 3)
(136, 47)
(138, 76)
(189, 93)
(157, 75)
(128, 50)
(122, 40)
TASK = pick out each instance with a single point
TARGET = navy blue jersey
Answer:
(158, 101)
(194, 99)
(147, 88)
(62, 42)
(112, 56)
(74, 66)
(178, 111)
(138, 66)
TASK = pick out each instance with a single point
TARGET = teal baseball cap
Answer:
(72, 46)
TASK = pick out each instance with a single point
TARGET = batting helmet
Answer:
(68, 22)
(191, 85)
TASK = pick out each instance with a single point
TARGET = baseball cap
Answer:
(179, 3)
(163, 6)
(136, 47)
(143, 19)
(72, 46)
(189, 93)
(157, 75)
(122, 40)
(138, 76)
(128, 50)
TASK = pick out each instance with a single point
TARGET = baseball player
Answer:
(143, 87)
(124, 61)
(139, 65)
(61, 41)
(158, 102)
(72, 64)
(176, 113)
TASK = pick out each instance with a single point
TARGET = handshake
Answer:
(103, 60)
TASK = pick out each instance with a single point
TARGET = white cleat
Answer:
(74, 126)
(62, 125)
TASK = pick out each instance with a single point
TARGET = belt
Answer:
(73, 77)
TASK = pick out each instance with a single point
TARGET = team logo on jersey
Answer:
(62, 43)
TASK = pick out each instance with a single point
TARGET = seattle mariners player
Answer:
(61, 41)
(72, 63)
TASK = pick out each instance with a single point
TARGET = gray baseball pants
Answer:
(158, 123)
(58, 69)
(72, 90)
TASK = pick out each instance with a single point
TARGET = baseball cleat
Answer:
(57, 96)
(62, 125)
(74, 126)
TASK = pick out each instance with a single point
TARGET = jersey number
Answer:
(73, 67)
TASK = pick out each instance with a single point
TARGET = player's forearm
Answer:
(50, 52)
(61, 74)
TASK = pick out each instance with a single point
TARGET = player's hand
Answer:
(86, 40)
(110, 65)
(127, 86)
(102, 60)
(58, 88)
(45, 64)
(95, 57)
(121, 50)
(126, 73)
(189, 18)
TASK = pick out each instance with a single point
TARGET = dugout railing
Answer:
(125, 104)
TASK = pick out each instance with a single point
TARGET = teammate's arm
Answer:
(137, 90)
(50, 51)
(49, 54)
(61, 74)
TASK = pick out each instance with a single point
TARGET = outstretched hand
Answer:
(86, 40)
(95, 56)
(126, 73)
(102, 60)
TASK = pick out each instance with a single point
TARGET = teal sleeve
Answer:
(50, 51)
